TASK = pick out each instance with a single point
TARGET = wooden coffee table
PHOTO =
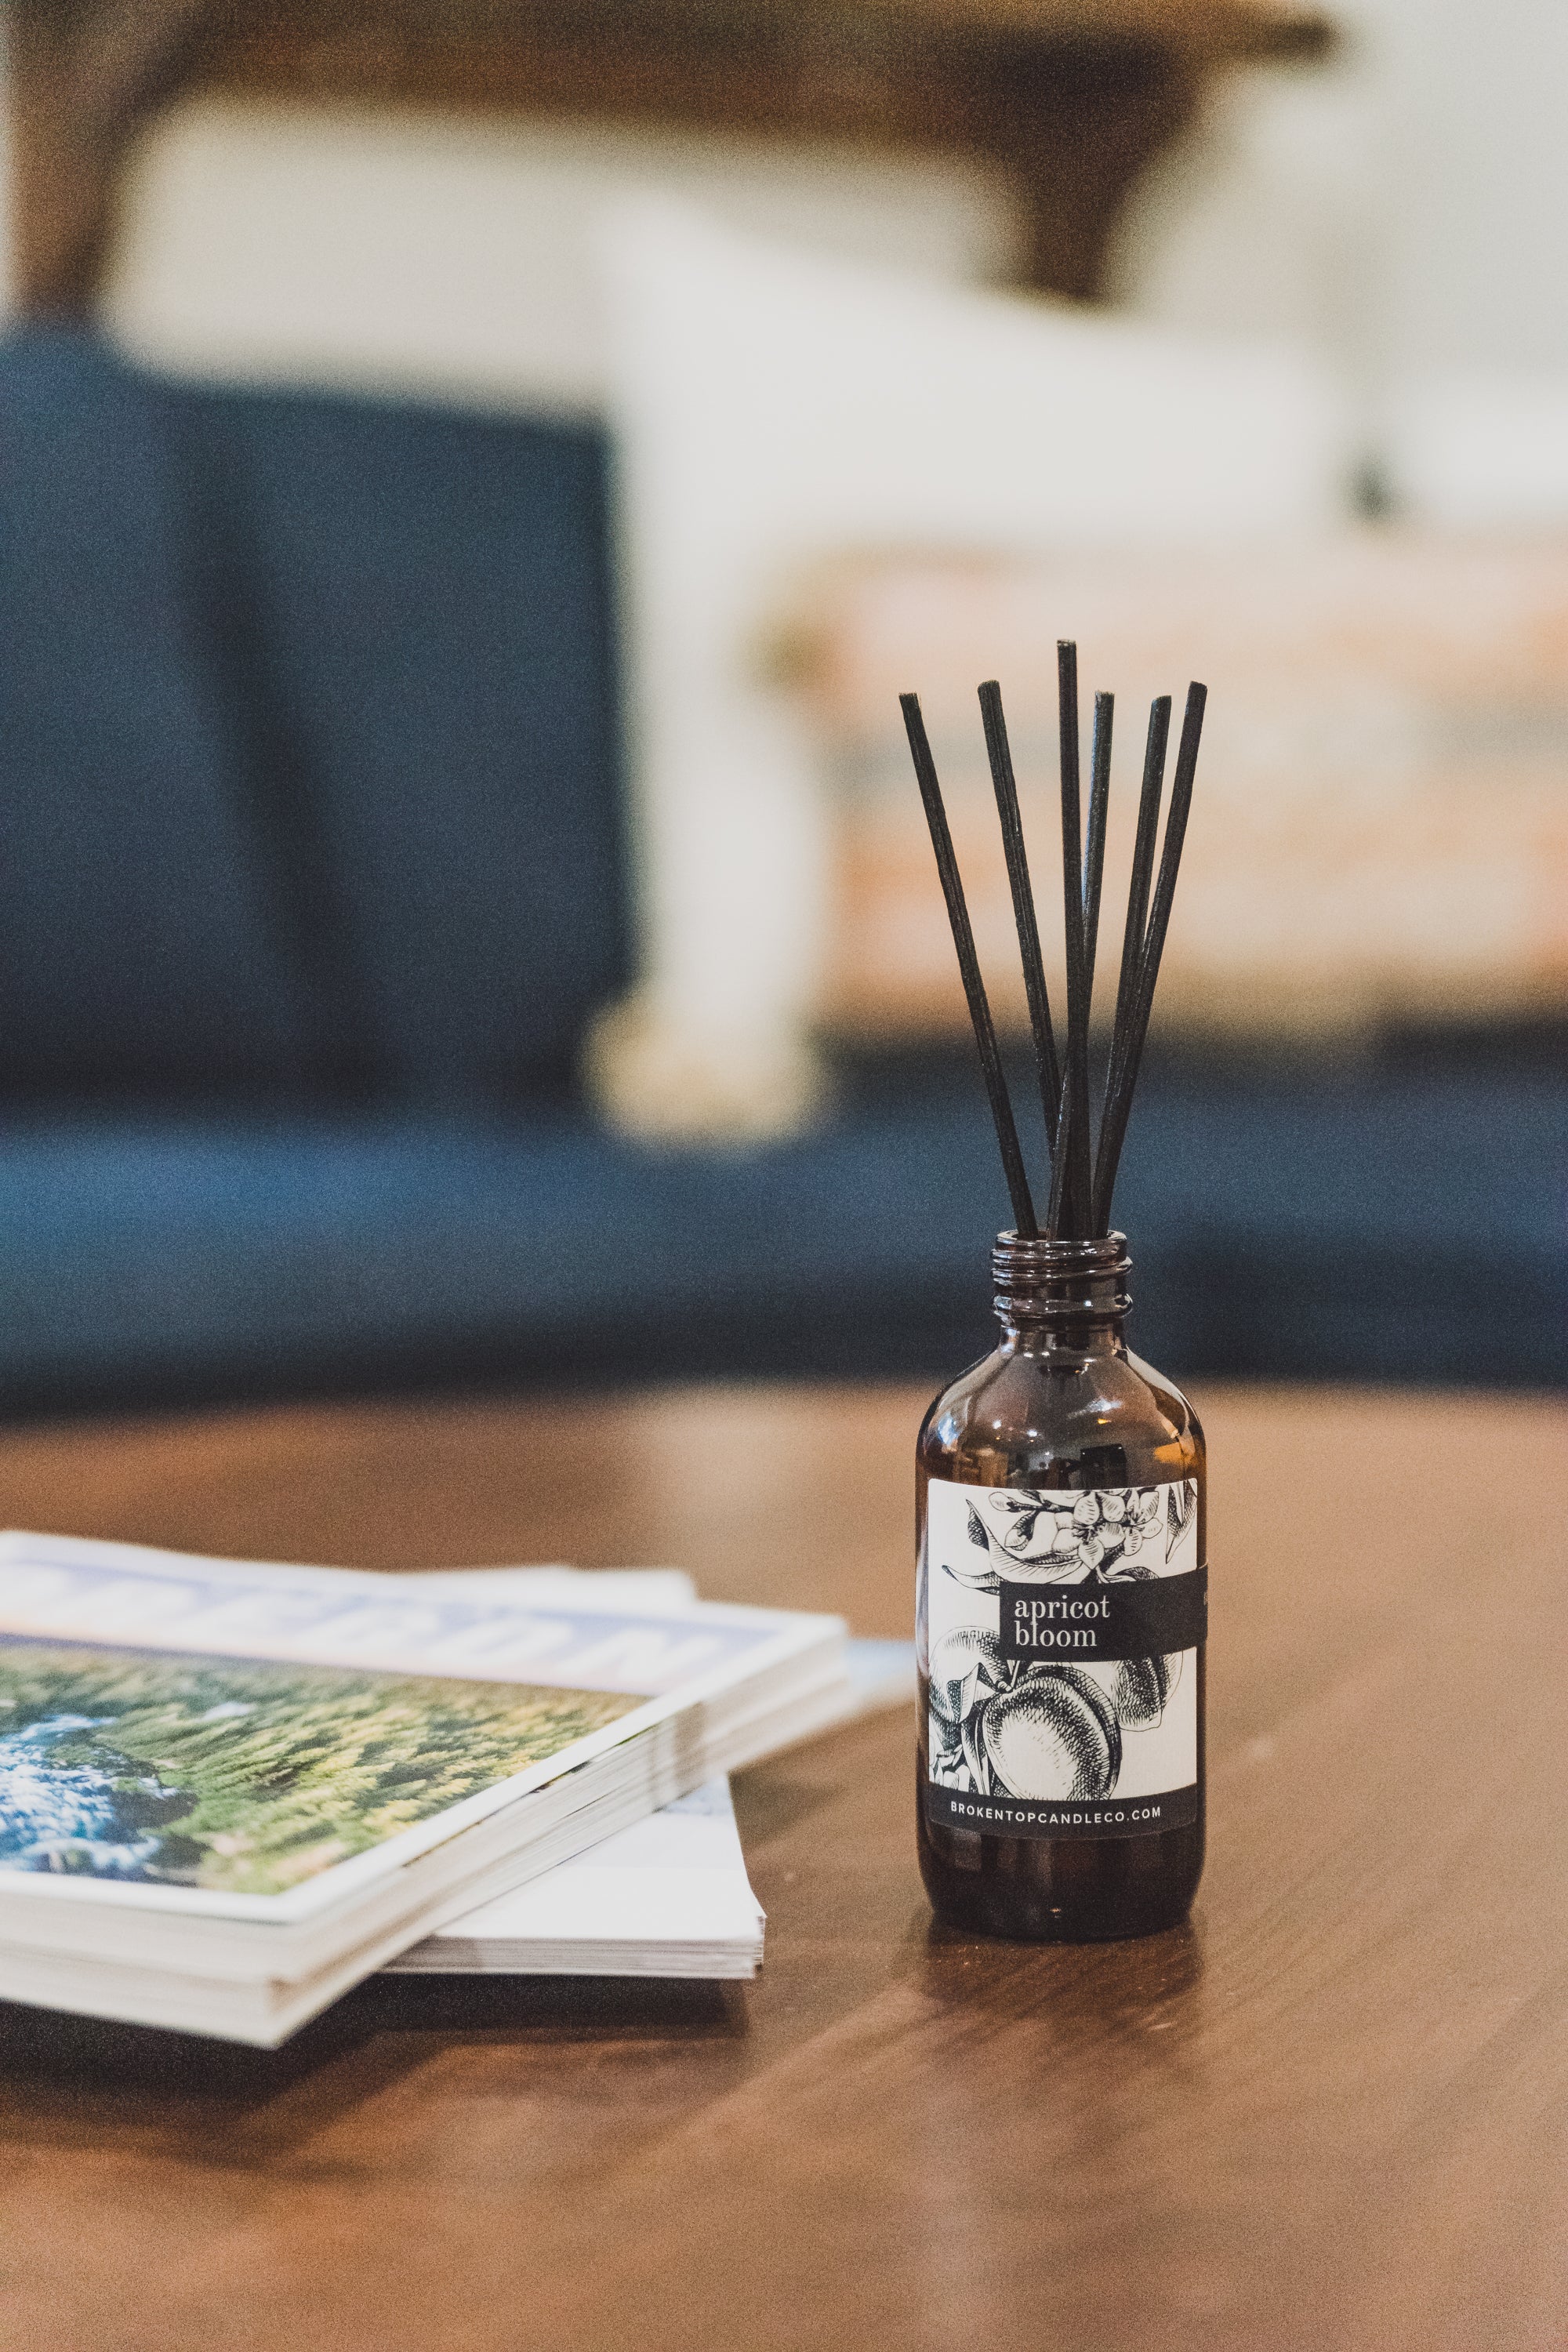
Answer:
(1329, 2114)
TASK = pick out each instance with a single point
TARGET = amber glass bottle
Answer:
(1061, 1614)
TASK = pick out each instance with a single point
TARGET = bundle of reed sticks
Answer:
(1082, 1164)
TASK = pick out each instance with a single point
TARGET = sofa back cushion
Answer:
(140, 947)
(416, 606)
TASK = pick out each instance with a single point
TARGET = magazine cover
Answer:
(261, 1742)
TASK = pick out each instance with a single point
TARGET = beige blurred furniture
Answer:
(1380, 836)
(1330, 2113)
(1072, 98)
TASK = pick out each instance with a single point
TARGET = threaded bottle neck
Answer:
(1060, 1286)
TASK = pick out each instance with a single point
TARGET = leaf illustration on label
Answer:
(1180, 1504)
(1125, 1571)
(1141, 1688)
(978, 1579)
(965, 1668)
(973, 1735)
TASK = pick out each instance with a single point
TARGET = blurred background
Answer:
(475, 476)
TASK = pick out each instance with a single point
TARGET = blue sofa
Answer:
(312, 871)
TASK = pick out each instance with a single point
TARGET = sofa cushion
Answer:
(161, 1259)
(1366, 1221)
(417, 631)
(138, 943)
(157, 1259)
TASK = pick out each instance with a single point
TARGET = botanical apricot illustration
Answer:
(1018, 1727)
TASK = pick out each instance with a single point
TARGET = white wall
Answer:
(1258, 220)
(1475, 201)
(1407, 204)
(432, 253)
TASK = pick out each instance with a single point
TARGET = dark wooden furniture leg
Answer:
(87, 78)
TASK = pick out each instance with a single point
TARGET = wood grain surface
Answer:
(1330, 2112)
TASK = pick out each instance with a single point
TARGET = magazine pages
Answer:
(668, 1897)
(229, 1789)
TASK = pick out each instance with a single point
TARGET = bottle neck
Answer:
(1062, 1296)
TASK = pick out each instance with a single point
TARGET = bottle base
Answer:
(1008, 1922)
(1061, 1891)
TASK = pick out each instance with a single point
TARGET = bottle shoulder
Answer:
(1018, 1418)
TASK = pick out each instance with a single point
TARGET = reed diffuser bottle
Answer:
(1061, 1617)
(1062, 1576)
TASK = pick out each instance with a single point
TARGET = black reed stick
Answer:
(1072, 1133)
(1083, 1177)
(1118, 1099)
(1060, 1159)
(1094, 846)
(969, 966)
(999, 752)
(1143, 847)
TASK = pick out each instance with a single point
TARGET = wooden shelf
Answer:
(1207, 27)
(1071, 98)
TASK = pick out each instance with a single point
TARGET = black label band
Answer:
(1041, 1817)
(1153, 1617)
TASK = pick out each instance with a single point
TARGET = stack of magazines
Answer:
(229, 1791)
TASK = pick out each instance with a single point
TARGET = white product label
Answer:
(1064, 1631)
